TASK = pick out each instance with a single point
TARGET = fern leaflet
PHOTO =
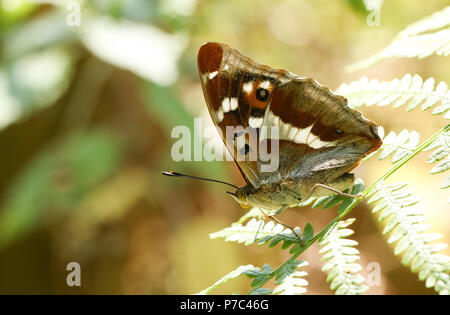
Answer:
(435, 21)
(260, 276)
(341, 255)
(255, 231)
(430, 35)
(441, 147)
(291, 281)
(406, 142)
(399, 145)
(232, 275)
(404, 221)
(326, 202)
(411, 90)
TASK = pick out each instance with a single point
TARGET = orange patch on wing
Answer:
(253, 101)
(209, 57)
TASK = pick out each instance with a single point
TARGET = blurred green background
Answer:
(86, 113)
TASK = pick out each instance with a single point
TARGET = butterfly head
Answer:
(264, 197)
(241, 196)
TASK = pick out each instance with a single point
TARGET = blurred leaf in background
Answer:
(56, 180)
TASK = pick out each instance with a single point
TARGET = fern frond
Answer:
(288, 279)
(406, 142)
(232, 275)
(260, 276)
(411, 90)
(441, 167)
(291, 281)
(430, 35)
(440, 154)
(252, 213)
(405, 223)
(326, 202)
(341, 255)
(400, 145)
(435, 21)
(255, 231)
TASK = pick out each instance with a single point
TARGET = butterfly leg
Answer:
(336, 191)
(271, 217)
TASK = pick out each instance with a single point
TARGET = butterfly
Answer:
(319, 138)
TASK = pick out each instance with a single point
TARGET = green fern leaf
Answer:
(430, 35)
(435, 21)
(255, 231)
(441, 167)
(400, 145)
(309, 232)
(291, 281)
(261, 291)
(405, 222)
(252, 213)
(440, 154)
(288, 279)
(411, 90)
(326, 202)
(259, 275)
(341, 256)
(307, 202)
(232, 275)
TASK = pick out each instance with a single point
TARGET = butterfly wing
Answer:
(317, 131)
(230, 82)
(321, 138)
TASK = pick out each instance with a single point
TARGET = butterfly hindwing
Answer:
(330, 136)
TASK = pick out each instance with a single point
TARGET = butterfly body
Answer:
(318, 138)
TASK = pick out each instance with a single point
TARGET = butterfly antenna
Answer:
(231, 193)
(172, 173)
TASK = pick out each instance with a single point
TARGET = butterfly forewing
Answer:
(314, 125)
(237, 91)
